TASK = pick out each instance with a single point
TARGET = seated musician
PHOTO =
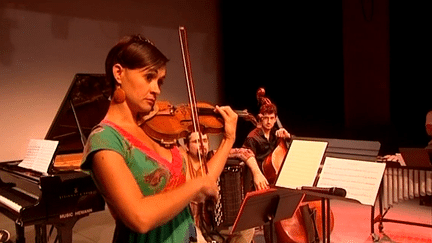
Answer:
(262, 141)
(194, 170)
(143, 182)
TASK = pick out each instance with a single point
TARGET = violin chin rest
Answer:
(151, 114)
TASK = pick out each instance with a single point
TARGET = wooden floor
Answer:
(352, 225)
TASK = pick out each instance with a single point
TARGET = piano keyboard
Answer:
(11, 204)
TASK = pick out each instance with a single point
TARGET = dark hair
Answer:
(133, 52)
(269, 108)
(186, 140)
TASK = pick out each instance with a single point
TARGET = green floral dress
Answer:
(153, 174)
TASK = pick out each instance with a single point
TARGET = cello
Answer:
(302, 226)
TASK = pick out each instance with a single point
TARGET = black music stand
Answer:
(343, 149)
(266, 206)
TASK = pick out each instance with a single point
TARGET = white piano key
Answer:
(16, 207)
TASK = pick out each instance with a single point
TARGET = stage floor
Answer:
(352, 225)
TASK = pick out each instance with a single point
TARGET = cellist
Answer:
(262, 141)
(265, 137)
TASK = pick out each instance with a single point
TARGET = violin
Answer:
(173, 122)
(297, 228)
(168, 123)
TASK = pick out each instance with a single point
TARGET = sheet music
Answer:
(39, 155)
(360, 179)
(301, 164)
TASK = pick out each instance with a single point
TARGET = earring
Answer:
(119, 95)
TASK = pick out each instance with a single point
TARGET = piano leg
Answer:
(64, 230)
(19, 233)
(40, 233)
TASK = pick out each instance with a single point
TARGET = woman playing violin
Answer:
(144, 183)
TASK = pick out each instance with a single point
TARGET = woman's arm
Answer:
(138, 212)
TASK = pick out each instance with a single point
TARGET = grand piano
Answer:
(65, 194)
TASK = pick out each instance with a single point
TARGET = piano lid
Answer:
(83, 107)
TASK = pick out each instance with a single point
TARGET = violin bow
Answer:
(191, 92)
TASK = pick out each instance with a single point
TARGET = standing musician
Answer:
(427, 200)
(428, 125)
(424, 200)
(144, 183)
(191, 151)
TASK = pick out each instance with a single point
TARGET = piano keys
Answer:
(48, 199)
(64, 194)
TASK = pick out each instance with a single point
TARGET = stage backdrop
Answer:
(43, 45)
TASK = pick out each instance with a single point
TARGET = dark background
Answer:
(353, 69)
(295, 51)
